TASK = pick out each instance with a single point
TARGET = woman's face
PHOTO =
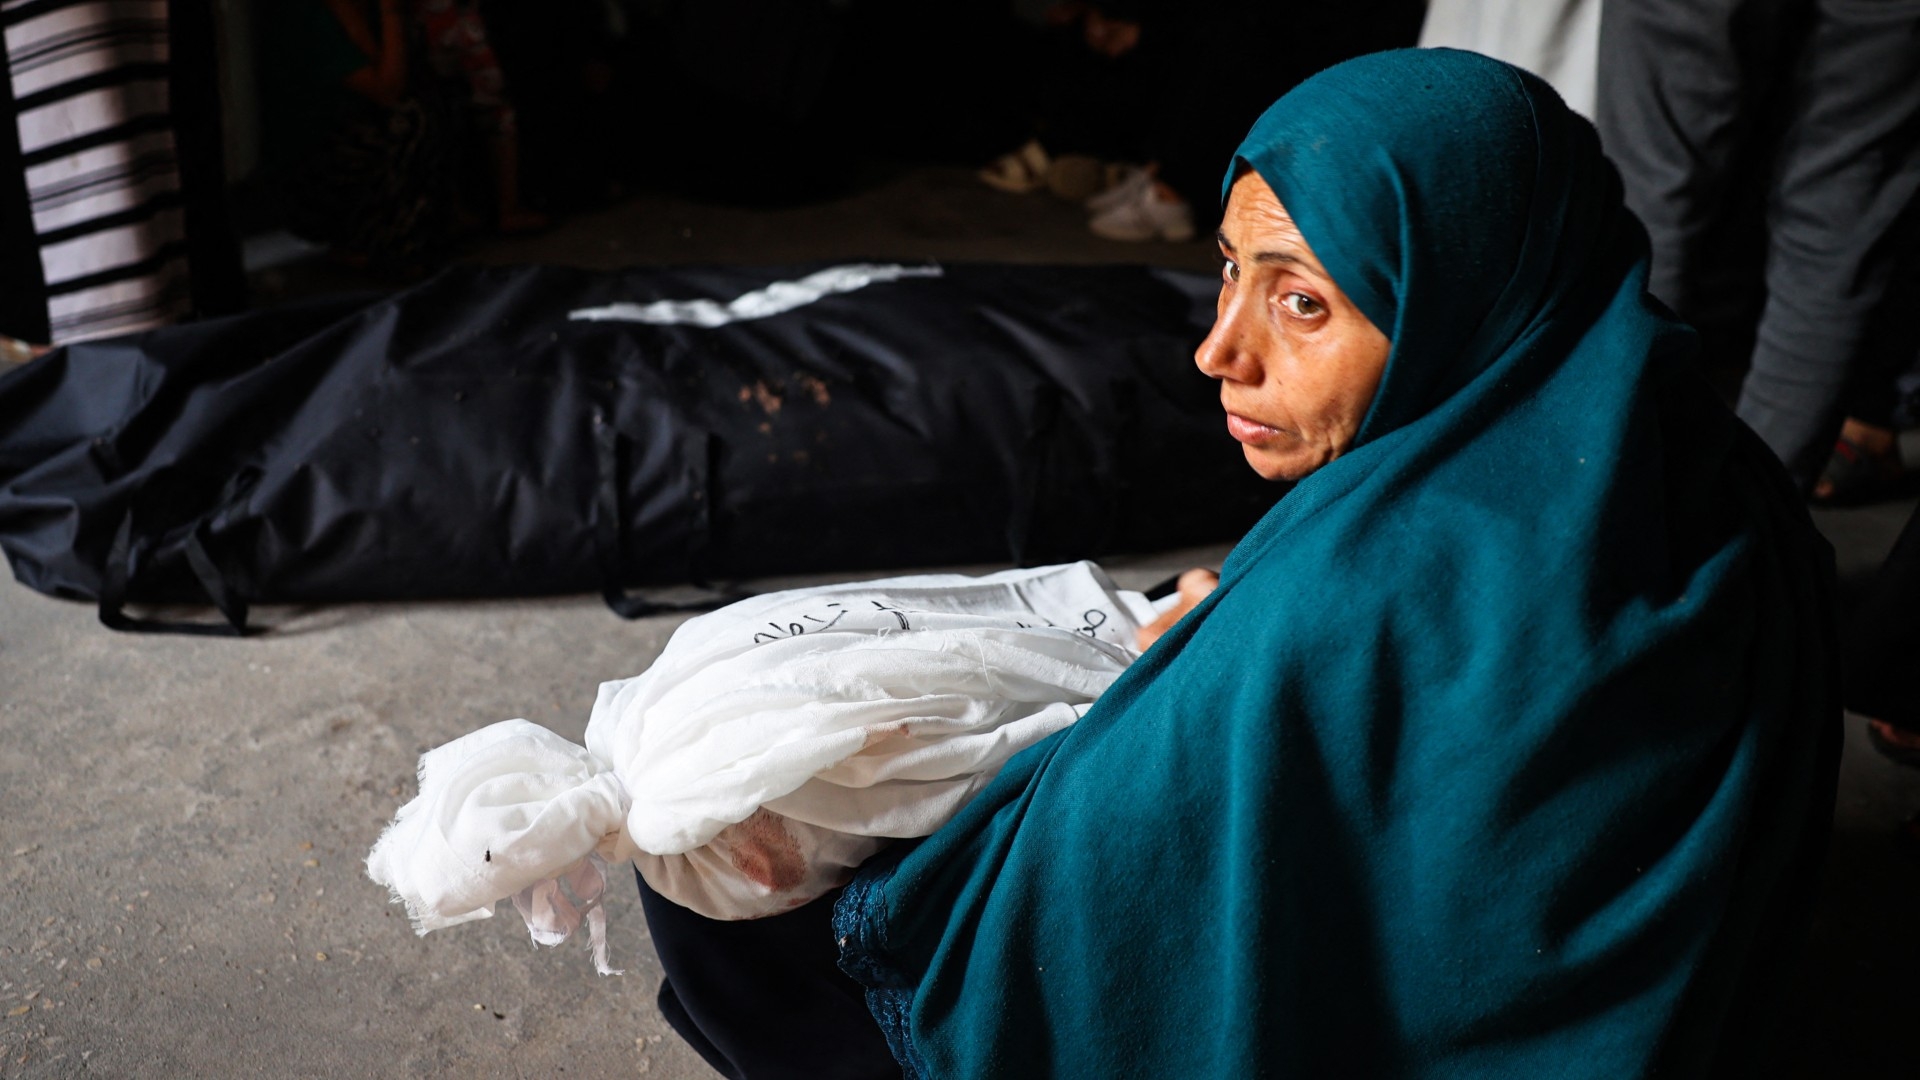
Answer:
(1297, 362)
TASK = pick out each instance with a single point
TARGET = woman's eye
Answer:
(1300, 305)
(1229, 270)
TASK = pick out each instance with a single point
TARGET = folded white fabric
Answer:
(773, 746)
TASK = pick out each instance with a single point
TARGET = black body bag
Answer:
(536, 430)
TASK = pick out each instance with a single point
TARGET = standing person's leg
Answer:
(1687, 100)
(1842, 230)
(1681, 96)
(765, 999)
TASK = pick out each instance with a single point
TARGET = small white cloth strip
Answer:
(775, 299)
(773, 746)
(552, 917)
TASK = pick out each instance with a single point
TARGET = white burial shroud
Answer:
(775, 745)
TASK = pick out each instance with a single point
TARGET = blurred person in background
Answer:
(388, 131)
(1558, 40)
(1166, 89)
(113, 211)
(1772, 148)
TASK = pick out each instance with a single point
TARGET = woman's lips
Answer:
(1249, 431)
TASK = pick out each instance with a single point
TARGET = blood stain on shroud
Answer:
(766, 853)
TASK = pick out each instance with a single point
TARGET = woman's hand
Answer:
(1194, 586)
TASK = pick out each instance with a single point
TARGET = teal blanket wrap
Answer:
(1505, 747)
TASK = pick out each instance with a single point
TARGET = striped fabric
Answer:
(91, 104)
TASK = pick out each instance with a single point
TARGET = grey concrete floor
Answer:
(181, 892)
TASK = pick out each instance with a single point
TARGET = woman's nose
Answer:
(1228, 353)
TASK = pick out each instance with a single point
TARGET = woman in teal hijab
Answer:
(1506, 744)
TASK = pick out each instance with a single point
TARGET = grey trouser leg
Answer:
(1692, 98)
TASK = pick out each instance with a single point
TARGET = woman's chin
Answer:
(1277, 466)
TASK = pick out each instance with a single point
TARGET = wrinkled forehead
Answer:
(1253, 209)
(1256, 230)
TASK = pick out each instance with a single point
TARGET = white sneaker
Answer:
(1145, 215)
(1126, 185)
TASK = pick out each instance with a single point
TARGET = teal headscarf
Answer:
(1506, 743)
